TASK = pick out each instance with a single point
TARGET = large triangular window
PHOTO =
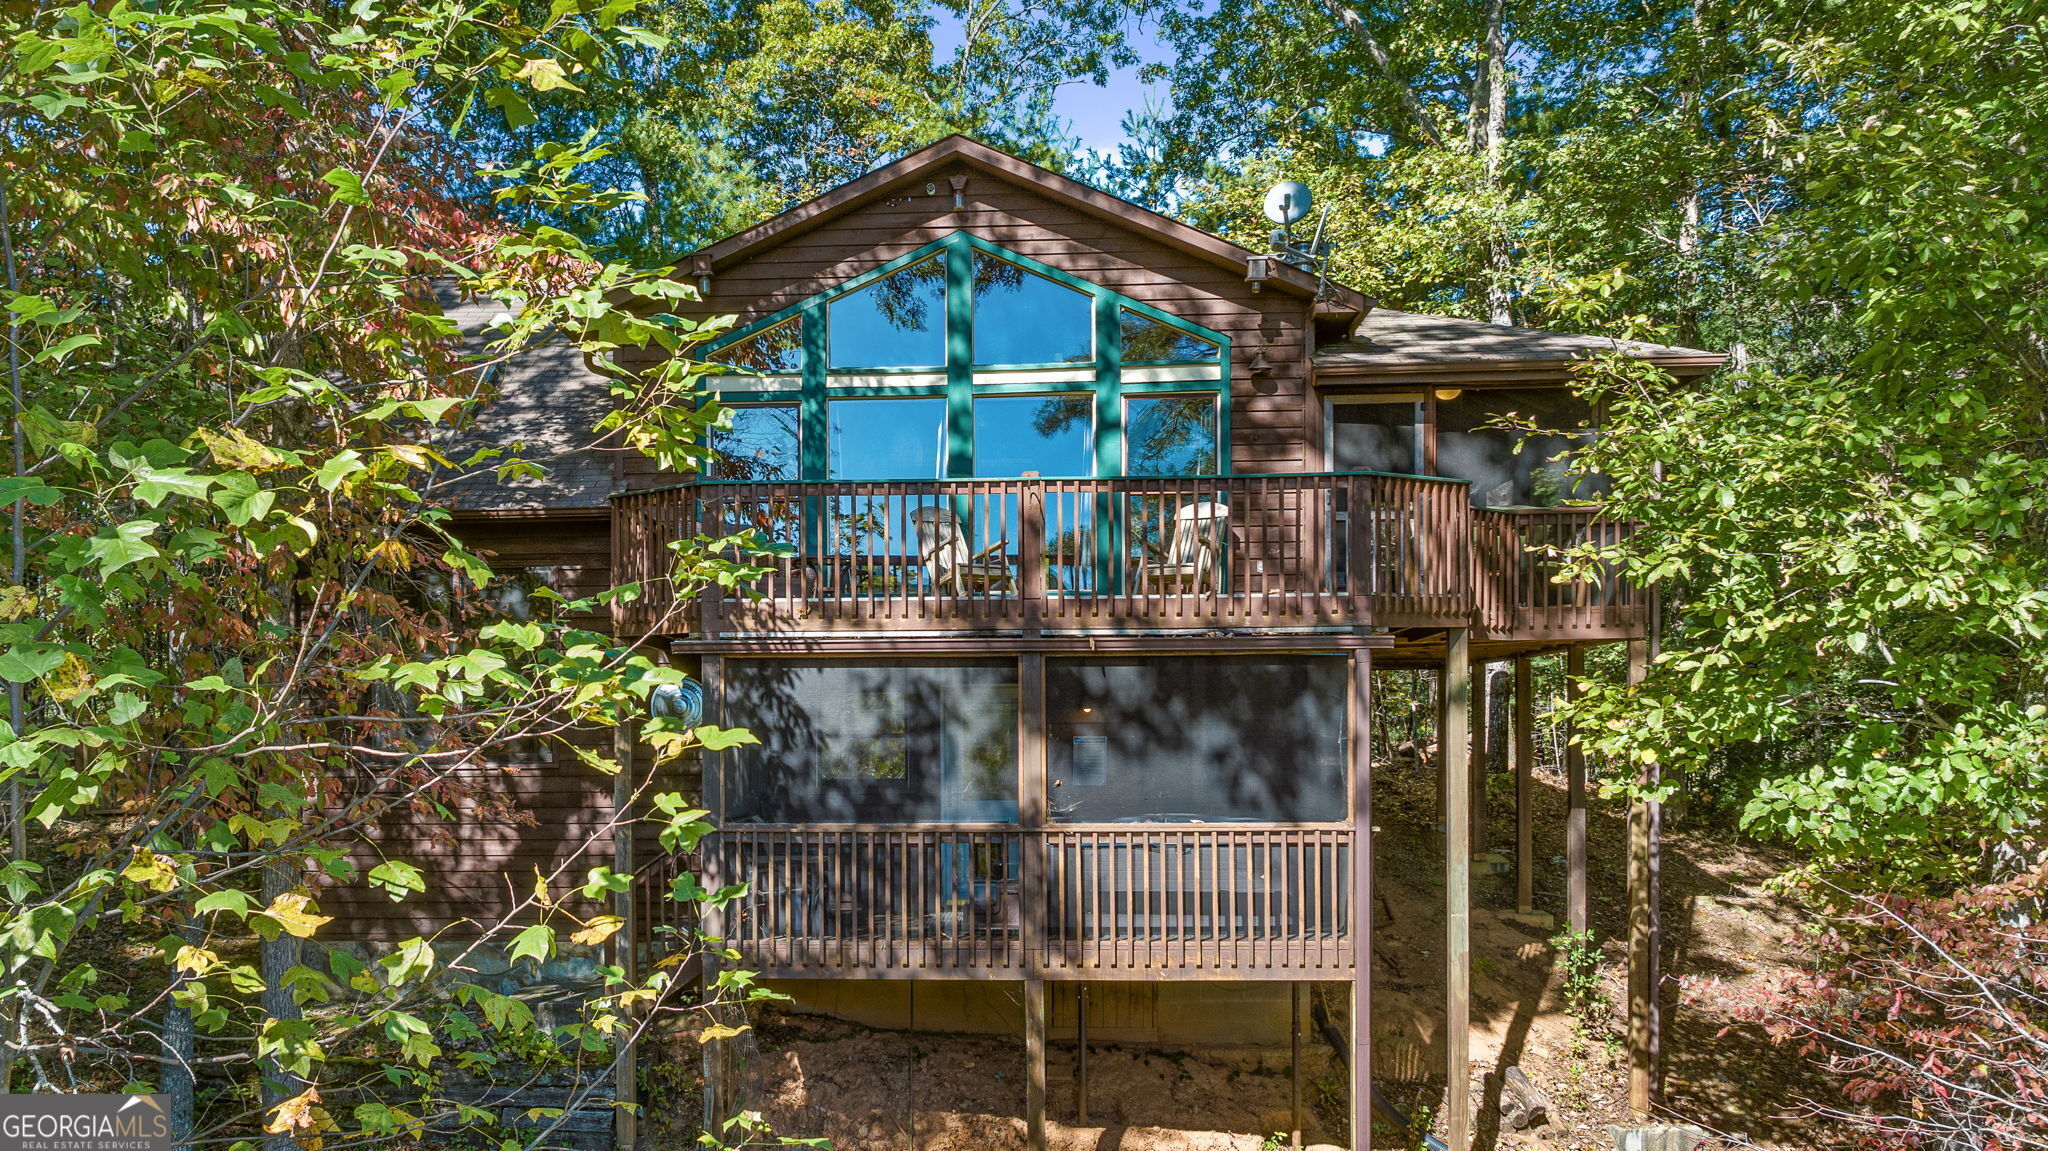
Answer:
(898, 321)
(774, 350)
(1147, 341)
(1021, 317)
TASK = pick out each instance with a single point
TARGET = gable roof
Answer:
(1389, 342)
(890, 179)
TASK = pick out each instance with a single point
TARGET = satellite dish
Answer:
(1287, 202)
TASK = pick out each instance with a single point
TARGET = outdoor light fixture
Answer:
(1449, 393)
(683, 701)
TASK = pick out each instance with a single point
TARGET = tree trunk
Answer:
(279, 956)
(1359, 31)
(1492, 119)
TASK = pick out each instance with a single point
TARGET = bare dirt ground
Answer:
(871, 1090)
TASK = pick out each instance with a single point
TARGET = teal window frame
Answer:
(959, 387)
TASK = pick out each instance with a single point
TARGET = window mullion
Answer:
(959, 358)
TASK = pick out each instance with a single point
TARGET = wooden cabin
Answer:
(1089, 529)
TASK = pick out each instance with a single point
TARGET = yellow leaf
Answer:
(298, 1113)
(194, 960)
(719, 1031)
(290, 912)
(598, 930)
(16, 602)
(151, 870)
(540, 890)
(235, 449)
(392, 556)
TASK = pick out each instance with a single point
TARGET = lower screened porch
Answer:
(1037, 816)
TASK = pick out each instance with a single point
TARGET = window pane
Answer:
(1049, 435)
(760, 445)
(1220, 738)
(774, 350)
(1468, 449)
(850, 744)
(887, 439)
(899, 321)
(1170, 436)
(1375, 437)
(1023, 318)
(1147, 341)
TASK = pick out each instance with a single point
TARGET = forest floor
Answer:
(1725, 933)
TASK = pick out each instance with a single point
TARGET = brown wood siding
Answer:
(542, 812)
(1270, 411)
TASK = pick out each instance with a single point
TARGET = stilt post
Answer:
(1081, 1054)
(1359, 781)
(1574, 803)
(1642, 933)
(1034, 1064)
(717, 1104)
(1294, 1086)
(626, 948)
(1457, 892)
(1475, 768)
(1032, 813)
(1525, 787)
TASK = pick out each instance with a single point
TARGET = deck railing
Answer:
(1237, 552)
(992, 899)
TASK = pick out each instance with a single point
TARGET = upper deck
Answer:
(1032, 558)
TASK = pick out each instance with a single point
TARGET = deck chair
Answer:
(942, 546)
(1193, 559)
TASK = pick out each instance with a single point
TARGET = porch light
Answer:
(1449, 393)
(1256, 270)
(683, 701)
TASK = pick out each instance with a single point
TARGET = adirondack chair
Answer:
(943, 547)
(1193, 557)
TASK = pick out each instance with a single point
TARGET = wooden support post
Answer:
(1359, 781)
(626, 949)
(1294, 1087)
(717, 1104)
(1525, 787)
(1031, 813)
(1642, 935)
(1457, 893)
(1081, 1054)
(1574, 803)
(1034, 1064)
(1475, 769)
(1443, 789)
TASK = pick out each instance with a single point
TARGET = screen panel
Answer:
(856, 743)
(1215, 739)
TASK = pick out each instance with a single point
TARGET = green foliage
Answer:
(1855, 554)
(237, 628)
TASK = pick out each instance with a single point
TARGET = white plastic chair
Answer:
(948, 559)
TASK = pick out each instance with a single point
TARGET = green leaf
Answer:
(31, 488)
(536, 943)
(722, 738)
(123, 544)
(348, 187)
(28, 661)
(397, 879)
(225, 900)
(338, 468)
(545, 75)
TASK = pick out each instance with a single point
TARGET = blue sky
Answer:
(1093, 114)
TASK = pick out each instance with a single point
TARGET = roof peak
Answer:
(993, 161)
